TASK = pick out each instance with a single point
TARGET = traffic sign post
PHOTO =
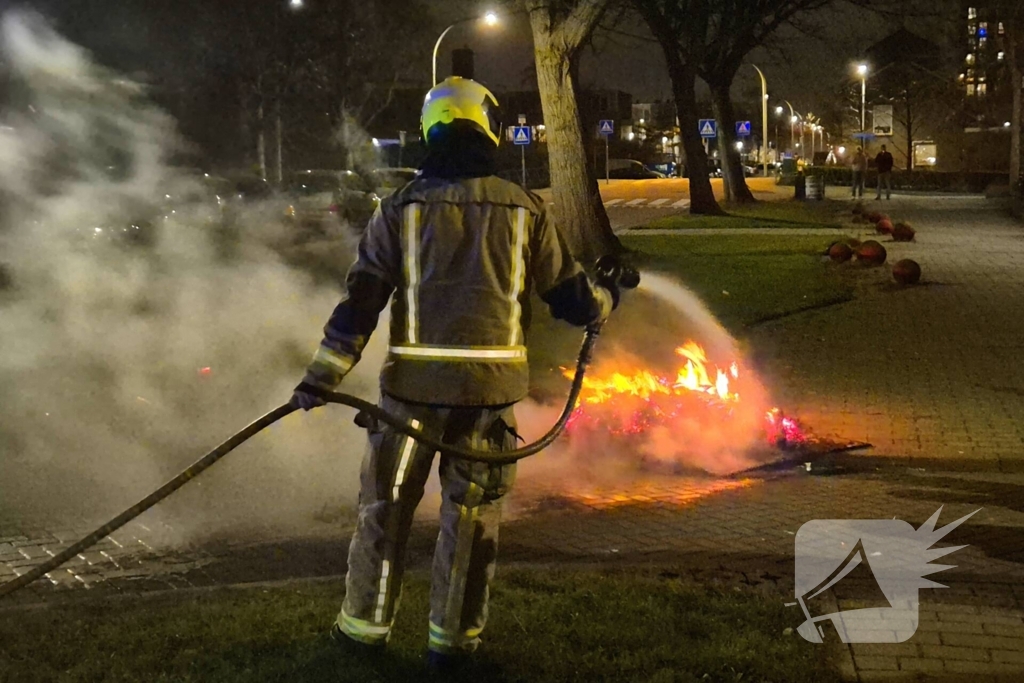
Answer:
(607, 128)
(522, 135)
(742, 129)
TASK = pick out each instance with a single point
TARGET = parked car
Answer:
(630, 169)
(667, 168)
(321, 196)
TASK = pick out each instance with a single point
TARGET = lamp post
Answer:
(764, 120)
(490, 19)
(862, 71)
(778, 115)
(792, 126)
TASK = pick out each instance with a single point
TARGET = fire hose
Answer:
(609, 271)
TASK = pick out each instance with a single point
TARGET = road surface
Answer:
(633, 202)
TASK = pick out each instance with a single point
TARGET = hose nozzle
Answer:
(610, 270)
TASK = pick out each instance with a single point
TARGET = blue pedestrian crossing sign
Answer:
(522, 135)
(742, 129)
(708, 128)
(606, 127)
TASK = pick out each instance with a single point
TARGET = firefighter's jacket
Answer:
(457, 259)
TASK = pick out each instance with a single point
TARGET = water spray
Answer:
(610, 272)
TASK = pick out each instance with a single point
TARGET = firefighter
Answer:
(456, 252)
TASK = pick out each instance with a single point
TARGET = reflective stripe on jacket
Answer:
(458, 260)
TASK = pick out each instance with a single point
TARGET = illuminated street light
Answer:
(778, 110)
(489, 19)
(862, 71)
(764, 119)
(296, 4)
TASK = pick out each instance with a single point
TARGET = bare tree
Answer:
(560, 28)
(678, 31)
(713, 37)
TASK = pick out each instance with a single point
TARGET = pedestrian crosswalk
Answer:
(648, 203)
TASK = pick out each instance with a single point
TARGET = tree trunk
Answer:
(732, 165)
(578, 209)
(280, 149)
(702, 197)
(261, 143)
(910, 134)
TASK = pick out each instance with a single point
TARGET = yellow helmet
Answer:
(461, 99)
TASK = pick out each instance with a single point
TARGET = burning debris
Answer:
(700, 416)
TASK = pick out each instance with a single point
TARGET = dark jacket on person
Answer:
(883, 162)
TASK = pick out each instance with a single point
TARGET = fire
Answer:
(640, 401)
(695, 376)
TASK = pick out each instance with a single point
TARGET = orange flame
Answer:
(695, 376)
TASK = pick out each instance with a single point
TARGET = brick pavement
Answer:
(929, 374)
(931, 371)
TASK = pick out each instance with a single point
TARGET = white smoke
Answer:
(128, 348)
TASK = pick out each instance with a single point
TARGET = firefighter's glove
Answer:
(303, 397)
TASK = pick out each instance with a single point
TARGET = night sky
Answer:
(157, 36)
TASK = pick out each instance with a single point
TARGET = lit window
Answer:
(981, 88)
(983, 28)
(1002, 29)
(972, 28)
(970, 58)
(961, 77)
(970, 89)
(1000, 55)
(972, 12)
(970, 74)
(981, 41)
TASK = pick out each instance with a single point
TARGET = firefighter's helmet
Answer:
(460, 99)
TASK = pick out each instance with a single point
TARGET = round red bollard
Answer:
(871, 253)
(840, 252)
(903, 233)
(906, 272)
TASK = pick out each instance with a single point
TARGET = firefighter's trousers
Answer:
(393, 475)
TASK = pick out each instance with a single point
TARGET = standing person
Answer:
(456, 252)
(860, 168)
(883, 163)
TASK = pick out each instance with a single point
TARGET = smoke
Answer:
(142, 323)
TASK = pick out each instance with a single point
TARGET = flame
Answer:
(695, 376)
(634, 402)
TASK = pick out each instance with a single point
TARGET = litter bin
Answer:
(800, 185)
(815, 187)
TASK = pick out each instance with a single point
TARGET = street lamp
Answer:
(793, 118)
(296, 4)
(764, 120)
(862, 71)
(778, 115)
(489, 19)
